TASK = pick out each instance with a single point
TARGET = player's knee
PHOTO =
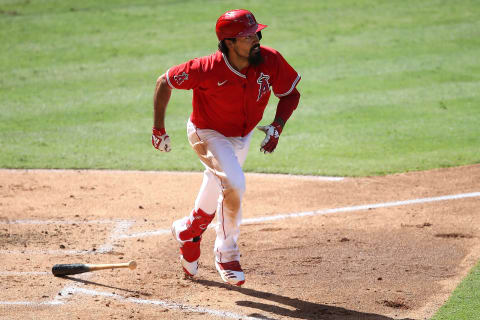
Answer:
(233, 193)
(232, 200)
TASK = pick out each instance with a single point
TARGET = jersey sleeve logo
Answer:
(264, 85)
(180, 78)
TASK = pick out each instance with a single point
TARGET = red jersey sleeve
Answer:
(286, 77)
(185, 76)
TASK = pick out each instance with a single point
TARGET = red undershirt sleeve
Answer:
(287, 105)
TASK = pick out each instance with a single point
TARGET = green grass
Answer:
(386, 86)
(464, 304)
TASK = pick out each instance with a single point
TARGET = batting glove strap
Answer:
(272, 134)
(160, 139)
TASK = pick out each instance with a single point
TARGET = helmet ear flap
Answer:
(259, 35)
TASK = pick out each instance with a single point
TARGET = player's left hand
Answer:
(272, 132)
(160, 139)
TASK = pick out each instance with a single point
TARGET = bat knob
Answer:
(132, 265)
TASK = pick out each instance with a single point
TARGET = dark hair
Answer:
(223, 47)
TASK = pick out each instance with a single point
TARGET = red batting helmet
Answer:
(237, 23)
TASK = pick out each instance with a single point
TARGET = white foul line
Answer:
(322, 212)
(362, 207)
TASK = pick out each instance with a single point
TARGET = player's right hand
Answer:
(160, 139)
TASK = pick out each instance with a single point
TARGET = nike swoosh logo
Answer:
(221, 83)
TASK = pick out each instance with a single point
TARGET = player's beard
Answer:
(255, 58)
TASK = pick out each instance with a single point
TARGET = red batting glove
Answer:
(272, 132)
(161, 140)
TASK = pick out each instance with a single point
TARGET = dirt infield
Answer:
(389, 247)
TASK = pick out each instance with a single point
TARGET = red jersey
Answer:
(229, 101)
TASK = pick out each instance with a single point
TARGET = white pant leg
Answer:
(223, 158)
(207, 197)
(231, 154)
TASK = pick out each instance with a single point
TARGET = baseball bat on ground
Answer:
(75, 268)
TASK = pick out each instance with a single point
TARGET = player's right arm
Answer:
(160, 101)
(183, 76)
(160, 138)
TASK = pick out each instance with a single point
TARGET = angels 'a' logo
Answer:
(180, 78)
(264, 85)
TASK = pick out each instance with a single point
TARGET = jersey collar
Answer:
(232, 68)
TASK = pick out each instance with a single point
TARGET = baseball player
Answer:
(231, 89)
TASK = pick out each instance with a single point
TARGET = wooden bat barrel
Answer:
(66, 269)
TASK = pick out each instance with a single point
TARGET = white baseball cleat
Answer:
(190, 268)
(231, 272)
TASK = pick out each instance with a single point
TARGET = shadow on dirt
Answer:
(303, 309)
(86, 282)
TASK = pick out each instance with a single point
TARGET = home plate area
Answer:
(391, 247)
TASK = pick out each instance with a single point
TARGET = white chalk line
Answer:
(23, 273)
(28, 303)
(122, 227)
(69, 291)
(162, 303)
(321, 212)
(362, 207)
(145, 234)
(118, 233)
(49, 252)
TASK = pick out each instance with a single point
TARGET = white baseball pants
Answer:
(223, 185)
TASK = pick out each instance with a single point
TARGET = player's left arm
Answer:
(286, 105)
(284, 83)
